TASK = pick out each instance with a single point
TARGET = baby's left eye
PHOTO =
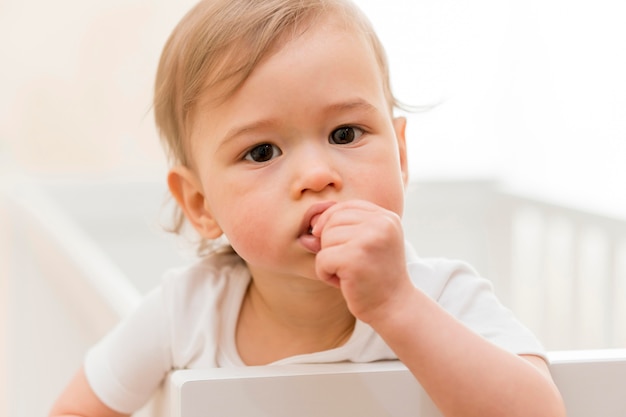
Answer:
(345, 135)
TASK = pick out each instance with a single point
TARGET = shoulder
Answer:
(440, 277)
(462, 292)
(175, 324)
(213, 273)
(457, 287)
(201, 289)
(197, 299)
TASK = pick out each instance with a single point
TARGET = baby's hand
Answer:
(362, 253)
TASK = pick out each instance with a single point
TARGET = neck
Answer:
(281, 318)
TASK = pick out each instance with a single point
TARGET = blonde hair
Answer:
(216, 46)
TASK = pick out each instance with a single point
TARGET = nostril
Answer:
(318, 175)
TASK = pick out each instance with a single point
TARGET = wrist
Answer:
(395, 309)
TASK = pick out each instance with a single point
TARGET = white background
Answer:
(530, 92)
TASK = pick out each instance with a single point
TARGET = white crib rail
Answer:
(64, 294)
(591, 382)
(102, 291)
(562, 270)
(574, 263)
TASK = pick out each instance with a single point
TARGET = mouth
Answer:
(312, 215)
(310, 218)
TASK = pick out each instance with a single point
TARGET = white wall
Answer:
(532, 91)
(76, 84)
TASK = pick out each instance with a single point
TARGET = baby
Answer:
(278, 117)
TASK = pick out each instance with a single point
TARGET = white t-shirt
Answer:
(189, 322)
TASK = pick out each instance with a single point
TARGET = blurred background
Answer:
(528, 110)
(531, 92)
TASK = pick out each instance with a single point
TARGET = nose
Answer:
(315, 171)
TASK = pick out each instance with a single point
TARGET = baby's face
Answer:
(309, 127)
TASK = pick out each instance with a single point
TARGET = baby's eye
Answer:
(263, 153)
(345, 135)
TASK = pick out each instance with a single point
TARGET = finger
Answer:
(341, 213)
(327, 268)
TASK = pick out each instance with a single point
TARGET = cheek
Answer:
(390, 195)
(384, 183)
(249, 223)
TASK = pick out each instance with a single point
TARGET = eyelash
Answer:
(265, 147)
(357, 133)
(354, 133)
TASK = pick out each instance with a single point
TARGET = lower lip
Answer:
(310, 243)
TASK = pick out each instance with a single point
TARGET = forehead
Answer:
(326, 67)
(301, 56)
(234, 65)
(329, 52)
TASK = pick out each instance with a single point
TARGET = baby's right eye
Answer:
(263, 153)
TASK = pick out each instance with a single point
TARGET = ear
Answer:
(399, 126)
(187, 191)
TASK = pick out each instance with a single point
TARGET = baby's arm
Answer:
(79, 400)
(465, 375)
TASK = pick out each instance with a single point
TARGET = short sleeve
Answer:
(460, 291)
(128, 364)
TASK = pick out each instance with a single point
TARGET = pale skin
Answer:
(309, 141)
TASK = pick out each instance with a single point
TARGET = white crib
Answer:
(76, 256)
(591, 382)
(562, 270)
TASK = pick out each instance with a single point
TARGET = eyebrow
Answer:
(349, 105)
(240, 130)
(356, 104)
